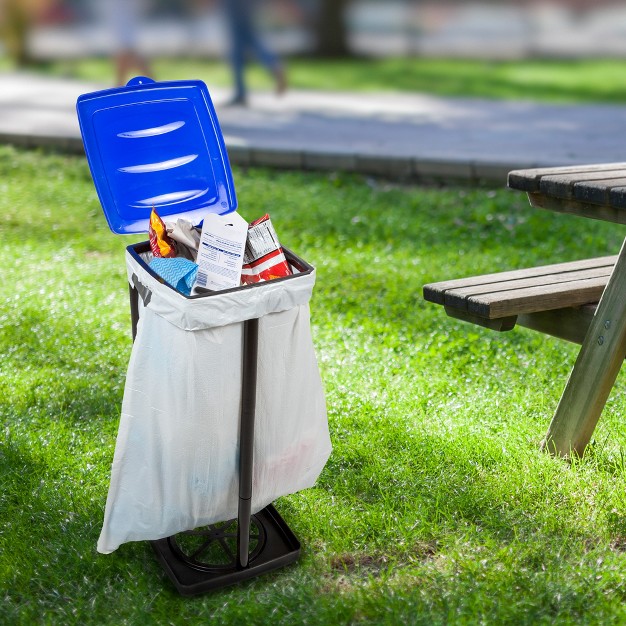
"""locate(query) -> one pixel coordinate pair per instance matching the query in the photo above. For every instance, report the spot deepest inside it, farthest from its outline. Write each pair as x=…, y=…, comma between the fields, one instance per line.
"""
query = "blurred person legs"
x=125, y=19
x=245, y=41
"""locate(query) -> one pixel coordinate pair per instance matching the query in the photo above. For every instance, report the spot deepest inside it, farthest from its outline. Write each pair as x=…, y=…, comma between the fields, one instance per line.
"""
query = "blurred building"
x=490, y=28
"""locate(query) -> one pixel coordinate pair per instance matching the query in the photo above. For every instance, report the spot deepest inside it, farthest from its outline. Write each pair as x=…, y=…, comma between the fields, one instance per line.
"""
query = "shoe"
x=237, y=101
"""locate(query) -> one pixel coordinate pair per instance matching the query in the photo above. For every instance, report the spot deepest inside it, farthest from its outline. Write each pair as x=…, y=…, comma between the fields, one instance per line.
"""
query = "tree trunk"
x=331, y=29
x=14, y=32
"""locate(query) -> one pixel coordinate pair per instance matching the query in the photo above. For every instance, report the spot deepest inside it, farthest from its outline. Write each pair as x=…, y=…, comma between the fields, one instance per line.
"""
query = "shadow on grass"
x=435, y=484
x=52, y=514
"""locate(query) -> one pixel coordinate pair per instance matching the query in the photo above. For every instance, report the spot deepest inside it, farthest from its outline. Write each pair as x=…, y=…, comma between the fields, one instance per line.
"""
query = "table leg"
x=596, y=368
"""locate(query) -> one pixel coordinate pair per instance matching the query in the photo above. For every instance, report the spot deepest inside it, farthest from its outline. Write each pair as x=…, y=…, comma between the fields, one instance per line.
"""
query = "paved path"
x=402, y=136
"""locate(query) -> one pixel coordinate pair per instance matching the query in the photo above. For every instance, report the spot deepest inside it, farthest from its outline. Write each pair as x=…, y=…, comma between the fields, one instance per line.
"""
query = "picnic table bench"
x=581, y=301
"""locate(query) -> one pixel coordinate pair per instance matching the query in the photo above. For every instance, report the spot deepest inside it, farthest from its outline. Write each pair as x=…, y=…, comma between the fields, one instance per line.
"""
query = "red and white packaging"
x=264, y=258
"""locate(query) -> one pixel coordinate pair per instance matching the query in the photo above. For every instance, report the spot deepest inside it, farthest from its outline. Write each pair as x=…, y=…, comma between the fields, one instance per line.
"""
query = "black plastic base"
x=205, y=559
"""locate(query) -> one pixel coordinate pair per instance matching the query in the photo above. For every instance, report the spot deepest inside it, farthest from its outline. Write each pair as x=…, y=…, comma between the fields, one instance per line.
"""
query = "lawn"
x=436, y=506
x=550, y=80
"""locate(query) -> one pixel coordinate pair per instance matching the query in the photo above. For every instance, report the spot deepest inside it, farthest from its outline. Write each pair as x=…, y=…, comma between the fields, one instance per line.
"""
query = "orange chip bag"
x=160, y=242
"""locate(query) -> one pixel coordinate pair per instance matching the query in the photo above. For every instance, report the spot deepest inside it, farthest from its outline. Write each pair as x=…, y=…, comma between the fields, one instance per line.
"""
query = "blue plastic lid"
x=155, y=144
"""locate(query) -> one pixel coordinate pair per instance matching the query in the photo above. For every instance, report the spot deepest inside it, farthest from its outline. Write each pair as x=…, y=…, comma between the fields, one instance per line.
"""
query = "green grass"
x=436, y=506
x=587, y=80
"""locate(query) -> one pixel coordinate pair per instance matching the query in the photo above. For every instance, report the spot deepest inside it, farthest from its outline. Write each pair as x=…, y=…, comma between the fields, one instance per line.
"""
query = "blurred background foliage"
x=35, y=30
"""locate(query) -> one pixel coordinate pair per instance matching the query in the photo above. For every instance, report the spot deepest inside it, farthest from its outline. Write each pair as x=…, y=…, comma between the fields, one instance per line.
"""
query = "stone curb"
x=401, y=169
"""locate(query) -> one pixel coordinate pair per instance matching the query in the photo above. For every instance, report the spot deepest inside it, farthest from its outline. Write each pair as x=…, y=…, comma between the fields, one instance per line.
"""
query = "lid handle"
x=139, y=80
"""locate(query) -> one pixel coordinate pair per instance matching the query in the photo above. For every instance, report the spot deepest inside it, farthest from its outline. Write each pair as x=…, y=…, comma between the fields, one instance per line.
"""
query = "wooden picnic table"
x=597, y=192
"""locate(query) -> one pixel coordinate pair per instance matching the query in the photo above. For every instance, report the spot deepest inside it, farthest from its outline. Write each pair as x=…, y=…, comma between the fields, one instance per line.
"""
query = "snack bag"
x=186, y=237
x=161, y=243
x=264, y=258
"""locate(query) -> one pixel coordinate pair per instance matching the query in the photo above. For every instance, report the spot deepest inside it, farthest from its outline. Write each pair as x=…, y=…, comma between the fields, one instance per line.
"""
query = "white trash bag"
x=176, y=458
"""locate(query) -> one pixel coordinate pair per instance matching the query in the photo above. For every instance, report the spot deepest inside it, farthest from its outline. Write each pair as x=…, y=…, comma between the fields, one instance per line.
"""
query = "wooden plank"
x=507, y=289
x=528, y=179
x=617, y=197
x=502, y=324
x=435, y=292
x=576, y=207
x=562, y=185
x=571, y=323
x=542, y=298
x=595, y=370
x=596, y=191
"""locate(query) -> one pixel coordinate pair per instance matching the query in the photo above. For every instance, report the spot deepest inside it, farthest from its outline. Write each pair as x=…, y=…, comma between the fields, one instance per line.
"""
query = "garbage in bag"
x=176, y=457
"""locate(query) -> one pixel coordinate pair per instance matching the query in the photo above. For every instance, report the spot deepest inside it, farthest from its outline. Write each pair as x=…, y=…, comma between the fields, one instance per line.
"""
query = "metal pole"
x=134, y=309
x=246, y=437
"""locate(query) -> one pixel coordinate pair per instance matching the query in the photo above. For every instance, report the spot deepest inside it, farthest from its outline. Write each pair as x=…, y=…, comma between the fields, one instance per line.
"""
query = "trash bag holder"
x=158, y=145
x=253, y=544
